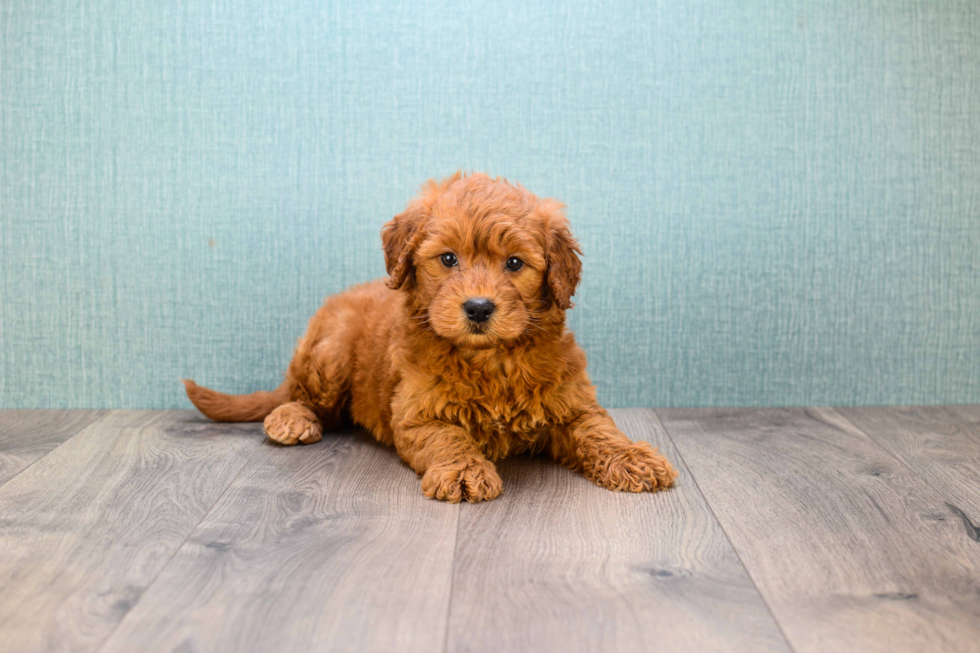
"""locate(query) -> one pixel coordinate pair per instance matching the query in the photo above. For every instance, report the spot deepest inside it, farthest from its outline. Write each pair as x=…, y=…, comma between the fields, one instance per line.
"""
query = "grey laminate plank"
x=558, y=564
x=851, y=550
x=940, y=443
x=28, y=435
x=85, y=529
x=323, y=547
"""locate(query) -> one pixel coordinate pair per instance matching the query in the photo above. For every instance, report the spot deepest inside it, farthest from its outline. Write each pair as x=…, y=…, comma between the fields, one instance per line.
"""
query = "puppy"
x=461, y=357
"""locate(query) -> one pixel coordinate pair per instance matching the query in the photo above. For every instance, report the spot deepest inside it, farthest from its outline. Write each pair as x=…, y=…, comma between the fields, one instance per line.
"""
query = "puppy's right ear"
x=401, y=235
x=399, y=238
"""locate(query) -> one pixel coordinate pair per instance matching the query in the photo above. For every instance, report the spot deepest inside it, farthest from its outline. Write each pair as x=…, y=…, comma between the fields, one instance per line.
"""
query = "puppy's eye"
x=514, y=264
x=449, y=260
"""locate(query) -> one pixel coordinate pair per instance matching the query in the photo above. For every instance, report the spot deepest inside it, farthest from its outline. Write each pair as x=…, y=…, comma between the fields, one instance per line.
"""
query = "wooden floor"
x=789, y=529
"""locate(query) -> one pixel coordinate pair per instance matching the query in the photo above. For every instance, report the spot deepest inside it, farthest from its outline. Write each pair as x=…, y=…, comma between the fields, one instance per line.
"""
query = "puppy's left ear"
x=400, y=237
x=564, y=266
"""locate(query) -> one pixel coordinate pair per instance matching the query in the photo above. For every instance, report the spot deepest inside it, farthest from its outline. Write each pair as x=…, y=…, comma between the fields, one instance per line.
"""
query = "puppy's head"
x=485, y=262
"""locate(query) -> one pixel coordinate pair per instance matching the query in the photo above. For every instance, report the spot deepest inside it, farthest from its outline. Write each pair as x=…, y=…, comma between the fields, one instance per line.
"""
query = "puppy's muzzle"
x=478, y=309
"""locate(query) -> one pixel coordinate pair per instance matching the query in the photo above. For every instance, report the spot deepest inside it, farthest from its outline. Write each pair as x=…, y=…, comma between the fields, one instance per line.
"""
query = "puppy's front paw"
x=292, y=423
x=637, y=467
x=471, y=480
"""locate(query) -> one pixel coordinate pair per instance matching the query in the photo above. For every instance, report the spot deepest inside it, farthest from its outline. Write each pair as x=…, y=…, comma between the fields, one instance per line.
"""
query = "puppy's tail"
x=236, y=408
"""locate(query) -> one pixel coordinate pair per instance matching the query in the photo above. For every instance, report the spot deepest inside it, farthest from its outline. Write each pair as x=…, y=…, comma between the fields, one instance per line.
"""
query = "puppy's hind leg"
x=321, y=368
x=292, y=423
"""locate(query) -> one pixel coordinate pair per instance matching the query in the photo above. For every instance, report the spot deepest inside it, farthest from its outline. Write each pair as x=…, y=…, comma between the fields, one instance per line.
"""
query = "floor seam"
x=873, y=441
x=62, y=443
x=173, y=555
x=971, y=528
x=714, y=516
x=452, y=580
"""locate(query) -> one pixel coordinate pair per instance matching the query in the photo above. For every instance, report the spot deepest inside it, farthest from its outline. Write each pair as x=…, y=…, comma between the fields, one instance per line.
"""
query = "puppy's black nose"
x=479, y=309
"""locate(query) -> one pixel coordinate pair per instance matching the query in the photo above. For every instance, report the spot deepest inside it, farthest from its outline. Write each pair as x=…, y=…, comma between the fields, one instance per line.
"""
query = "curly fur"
x=402, y=360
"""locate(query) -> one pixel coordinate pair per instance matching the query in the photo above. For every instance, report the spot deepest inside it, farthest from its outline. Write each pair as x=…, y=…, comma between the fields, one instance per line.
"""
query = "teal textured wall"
x=779, y=201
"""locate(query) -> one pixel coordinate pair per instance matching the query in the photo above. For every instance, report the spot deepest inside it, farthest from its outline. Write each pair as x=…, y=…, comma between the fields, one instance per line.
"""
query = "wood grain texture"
x=88, y=527
x=27, y=435
x=559, y=564
x=159, y=531
x=330, y=546
x=851, y=550
x=940, y=443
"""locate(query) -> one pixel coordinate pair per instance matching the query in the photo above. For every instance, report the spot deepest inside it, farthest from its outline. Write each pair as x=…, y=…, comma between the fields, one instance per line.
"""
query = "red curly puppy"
x=462, y=357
